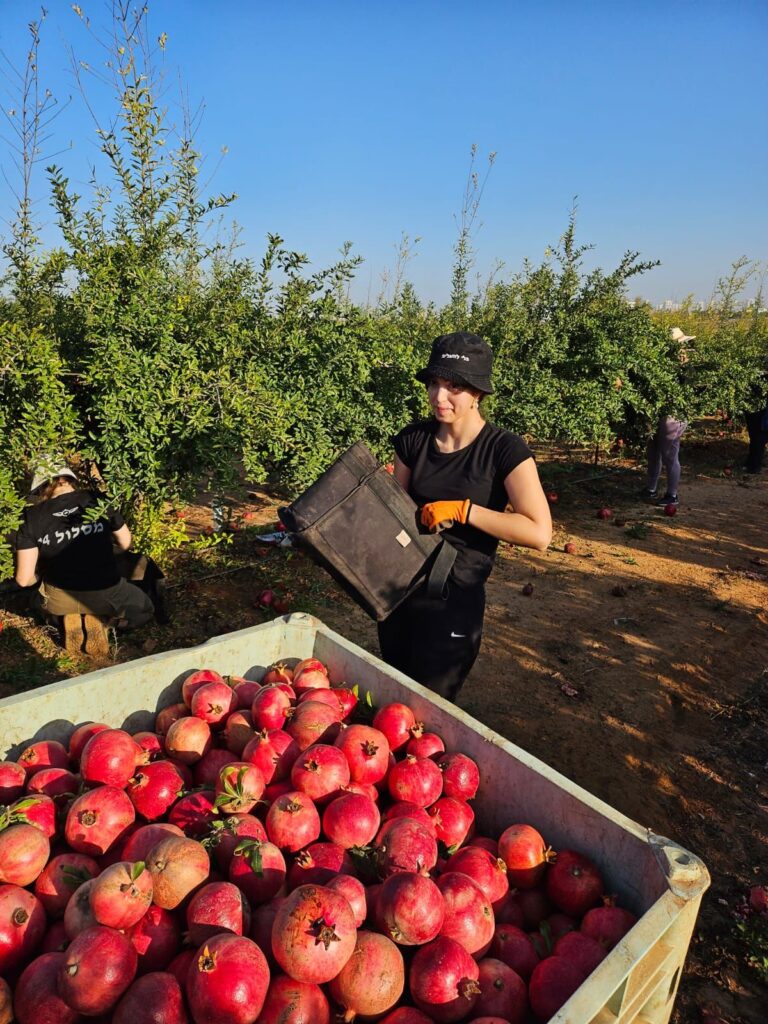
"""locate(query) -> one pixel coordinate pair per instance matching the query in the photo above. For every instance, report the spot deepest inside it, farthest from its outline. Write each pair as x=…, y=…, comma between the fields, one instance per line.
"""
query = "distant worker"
x=757, y=428
x=74, y=561
x=664, y=446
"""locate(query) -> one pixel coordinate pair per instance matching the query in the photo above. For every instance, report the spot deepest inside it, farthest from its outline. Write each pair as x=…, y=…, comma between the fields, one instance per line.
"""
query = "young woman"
x=73, y=559
x=478, y=483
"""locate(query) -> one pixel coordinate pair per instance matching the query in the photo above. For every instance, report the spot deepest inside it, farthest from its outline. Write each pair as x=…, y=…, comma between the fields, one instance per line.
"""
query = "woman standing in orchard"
x=477, y=482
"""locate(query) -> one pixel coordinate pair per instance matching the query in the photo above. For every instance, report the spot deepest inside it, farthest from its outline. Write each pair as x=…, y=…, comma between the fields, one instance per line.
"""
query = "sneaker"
x=647, y=493
x=669, y=499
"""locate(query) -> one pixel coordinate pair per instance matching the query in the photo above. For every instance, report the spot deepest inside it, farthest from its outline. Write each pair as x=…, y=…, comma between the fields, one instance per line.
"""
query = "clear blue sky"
x=354, y=120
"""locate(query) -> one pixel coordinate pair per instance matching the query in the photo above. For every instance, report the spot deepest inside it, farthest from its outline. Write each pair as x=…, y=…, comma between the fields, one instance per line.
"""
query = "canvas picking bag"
x=363, y=528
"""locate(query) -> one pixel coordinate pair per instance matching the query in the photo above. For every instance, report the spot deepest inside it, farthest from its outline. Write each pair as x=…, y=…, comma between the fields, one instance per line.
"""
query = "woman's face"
x=450, y=401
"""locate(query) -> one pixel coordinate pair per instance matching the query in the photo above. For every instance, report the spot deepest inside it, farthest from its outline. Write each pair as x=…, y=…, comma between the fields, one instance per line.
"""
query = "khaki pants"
x=123, y=601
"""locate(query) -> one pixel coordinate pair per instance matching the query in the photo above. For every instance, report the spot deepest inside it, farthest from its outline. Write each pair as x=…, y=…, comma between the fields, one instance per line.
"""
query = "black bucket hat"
x=461, y=357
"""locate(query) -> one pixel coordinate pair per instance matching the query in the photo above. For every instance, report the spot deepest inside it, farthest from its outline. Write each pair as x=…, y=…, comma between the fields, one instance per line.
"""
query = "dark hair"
x=46, y=490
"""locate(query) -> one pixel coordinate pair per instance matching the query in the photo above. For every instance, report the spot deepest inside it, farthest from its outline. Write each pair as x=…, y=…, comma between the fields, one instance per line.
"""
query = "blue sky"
x=354, y=120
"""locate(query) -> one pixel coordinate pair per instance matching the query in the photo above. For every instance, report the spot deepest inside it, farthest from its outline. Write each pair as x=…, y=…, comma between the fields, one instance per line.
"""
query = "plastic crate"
x=658, y=880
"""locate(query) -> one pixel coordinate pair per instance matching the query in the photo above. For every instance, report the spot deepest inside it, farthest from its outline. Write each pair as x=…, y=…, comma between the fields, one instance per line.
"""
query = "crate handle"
x=686, y=874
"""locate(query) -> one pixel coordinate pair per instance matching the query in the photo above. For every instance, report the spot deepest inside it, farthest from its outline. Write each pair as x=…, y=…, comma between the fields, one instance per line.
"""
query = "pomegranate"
x=109, y=758
x=244, y=690
x=37, y=810
x=24, y=852
x=425, y=745
x=179, y=966
x=367, y=751
x=514, y=947
x=262, y=920
x=212, y=702
x=416, y=779
x=604, y=513
x=410, y=909
x=398, y=723
x=313, y=934
x=309, y=663
x=167, y=716
x=95, y=970
x=313, y=722
x=156, y=939
x=195, y=680
x=97, y=819
x=485, y=843
x=206, y=771
x=273, y=753
x=581, y=950
x=61, y=876
x=78, y=914
x=54, y=941
x=43, y=754
x=608, y=924
x=461, y=776
x=353, y=891
x=532, y=904
x=226, y=833
x=178, y=866
x=444, y=981
x=239, y=788
x=194, y=812
x=468, y=915
x=188, y=739
x=22, y=926
x=372, y=980
x=573, y=883
x=217, y=907
x=140, y=842
x=489, y=872
x=155, y=997
x=454, y=820
x=257, y=869
x=406, y=1015
x=405, y=845
x=53, y=782
x=321, y=770
x=13, y=779
x=277, y=673
x=526, y=855
x=318, y=864
x=227, y=981
x=294, y=1002
x=552, y=984
x=293, y=821
x=269, y=708
x=406, y=809
x=121, y=894
x=326, y=696
x=351, y=820
x=238, y=731
x=151, y=747
x=503, y=993
x=36, y=999
x=154, y=789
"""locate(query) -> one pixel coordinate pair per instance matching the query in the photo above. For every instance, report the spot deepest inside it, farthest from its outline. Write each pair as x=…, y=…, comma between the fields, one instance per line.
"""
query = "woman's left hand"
x=439, y=515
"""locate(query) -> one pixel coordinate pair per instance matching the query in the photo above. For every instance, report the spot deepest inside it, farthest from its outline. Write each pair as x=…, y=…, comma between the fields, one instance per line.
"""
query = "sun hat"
x=460, y=357
x=47, y=471
x=677, y=335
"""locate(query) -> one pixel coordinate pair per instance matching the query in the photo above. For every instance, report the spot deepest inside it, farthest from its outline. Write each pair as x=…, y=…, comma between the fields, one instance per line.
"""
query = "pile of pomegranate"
x=276, y=852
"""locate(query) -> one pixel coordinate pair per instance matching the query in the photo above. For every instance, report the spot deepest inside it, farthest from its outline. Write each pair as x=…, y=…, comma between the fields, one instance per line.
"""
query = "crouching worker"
x=75, y=563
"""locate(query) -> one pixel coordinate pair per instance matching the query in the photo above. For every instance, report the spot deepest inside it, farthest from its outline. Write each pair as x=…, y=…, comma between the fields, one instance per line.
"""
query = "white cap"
x=677, y=335
x=43, y=474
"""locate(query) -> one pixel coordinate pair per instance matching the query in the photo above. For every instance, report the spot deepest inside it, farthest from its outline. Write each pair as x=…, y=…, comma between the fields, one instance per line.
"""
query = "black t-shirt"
x=477, y=471
x=73, y=554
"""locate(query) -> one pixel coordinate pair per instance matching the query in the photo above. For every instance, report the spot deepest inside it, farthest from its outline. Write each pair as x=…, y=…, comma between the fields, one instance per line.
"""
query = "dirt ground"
x=637, y=667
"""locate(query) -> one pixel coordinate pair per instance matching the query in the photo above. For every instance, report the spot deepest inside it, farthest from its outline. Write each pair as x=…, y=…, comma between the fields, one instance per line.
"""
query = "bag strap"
x=441, y=570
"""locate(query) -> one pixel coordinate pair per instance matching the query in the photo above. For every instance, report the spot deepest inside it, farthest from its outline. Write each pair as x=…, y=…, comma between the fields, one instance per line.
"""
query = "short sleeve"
x=25, y=535
x=407, y=442
x=510, y=452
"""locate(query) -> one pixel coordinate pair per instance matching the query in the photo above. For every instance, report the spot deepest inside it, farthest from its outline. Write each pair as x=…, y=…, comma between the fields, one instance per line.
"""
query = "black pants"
x=757, y=441
x=436, y=641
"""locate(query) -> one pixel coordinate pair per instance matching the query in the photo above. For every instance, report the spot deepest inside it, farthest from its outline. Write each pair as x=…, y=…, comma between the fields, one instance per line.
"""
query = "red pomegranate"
x=154, y=789
x=320, y=771
x=36, y=999
x=417, y=780
x=121, y=894
x=367, y=751
x=194, y=813
x=140, y=842
x=273, y=753
x=195, y=680
x=313, y=722
x=406, y=1015
x=97, y=819
x=526, y=855
x=78, y=914
x=351, y=820
x=461, y=776
x=269, y=708
x=13, y=779
x=178, y=866
x=372, y=980
x=514, y=947
x=155, y=997
x=43, y=754
x=238, y=730
x=309, y=663
x=24, y=852
x=485, y=843
x=53, y=782
x=238, y=788
x=60, y=877
x=151, y=746
x=188, y=739
x=573, y=883
x=454, y=820
x=156, y=939
x=318, y=864
x=444, y=981
x=488, y=871
x=227, y=981
x=294, y=1002
x=97, y=967
x=22, y=926
x=406, y=809
x=226, y=833
x=404, y=844
x=257, y=869
x=398, y=723
x=353, y=890
x=608, y=924
x=167, y=716
x=54, y=941
x=314, y=934
x=581, y=950
x=80, y=737
x=533, y=904
x=293, y=821
x=262, y=920
x=35, y=809
x=552, y=984
x=212, y=702
x=425, y=745
x=217, y=907
x=277, y=673
x=503, y=993
x=207, y=770
x=410, y=909
x=468, y=915
x=109, y=758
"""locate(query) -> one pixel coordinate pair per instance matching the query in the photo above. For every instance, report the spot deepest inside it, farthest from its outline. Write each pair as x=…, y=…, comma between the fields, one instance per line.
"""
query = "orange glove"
x=440, y=515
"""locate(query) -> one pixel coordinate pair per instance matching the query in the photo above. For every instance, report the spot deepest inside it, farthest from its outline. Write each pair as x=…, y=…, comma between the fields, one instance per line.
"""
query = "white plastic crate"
x=658, y=880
